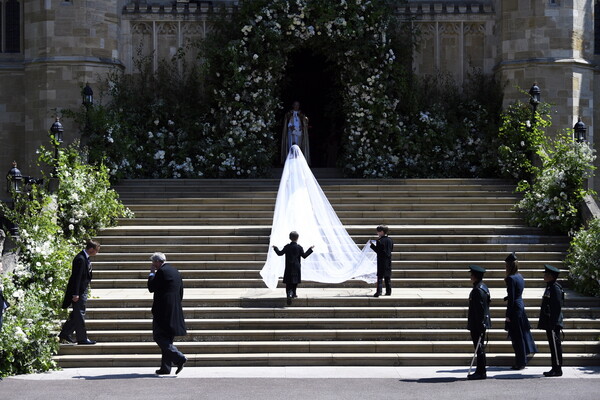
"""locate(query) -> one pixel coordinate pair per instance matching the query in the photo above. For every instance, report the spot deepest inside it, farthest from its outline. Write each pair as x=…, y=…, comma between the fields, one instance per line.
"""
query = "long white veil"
x=303, y=207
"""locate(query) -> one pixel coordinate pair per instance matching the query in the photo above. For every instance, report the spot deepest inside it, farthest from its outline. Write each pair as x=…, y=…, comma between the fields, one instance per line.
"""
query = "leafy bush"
x=53, y=227
x=520, y=138
x=583, y=259
x=552, y=201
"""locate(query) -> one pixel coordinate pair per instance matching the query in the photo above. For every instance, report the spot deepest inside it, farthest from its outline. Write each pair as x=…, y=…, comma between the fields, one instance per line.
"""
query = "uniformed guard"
x=479, y=319
x=551, y=317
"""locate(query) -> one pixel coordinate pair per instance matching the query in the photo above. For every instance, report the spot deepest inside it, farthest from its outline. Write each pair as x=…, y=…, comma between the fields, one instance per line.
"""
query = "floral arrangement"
x=583, y=259
x=552, y=201
x=247, y=68
x=52, y=229
x=395, y=125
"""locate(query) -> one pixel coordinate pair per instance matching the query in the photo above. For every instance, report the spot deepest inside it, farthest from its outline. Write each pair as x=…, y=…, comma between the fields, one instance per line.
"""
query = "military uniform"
x=479, y=320
x=551, y=319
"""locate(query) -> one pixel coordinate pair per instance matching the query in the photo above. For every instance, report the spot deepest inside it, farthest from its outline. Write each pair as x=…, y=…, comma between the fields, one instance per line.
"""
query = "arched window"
x=12, y=39
x=10, y=26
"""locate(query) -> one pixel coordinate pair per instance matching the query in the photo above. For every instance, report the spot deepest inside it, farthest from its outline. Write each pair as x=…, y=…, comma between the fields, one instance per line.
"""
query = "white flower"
x=255, y=57
x=71, y=227
x=156, y=121
x=160, y=155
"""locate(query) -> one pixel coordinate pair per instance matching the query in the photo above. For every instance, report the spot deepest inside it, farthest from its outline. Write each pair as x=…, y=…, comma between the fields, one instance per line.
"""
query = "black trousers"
x=290, y=289
x=479, y=337
x=76, y=321
x=170, y=354
x=555, y=347
x=388, y=284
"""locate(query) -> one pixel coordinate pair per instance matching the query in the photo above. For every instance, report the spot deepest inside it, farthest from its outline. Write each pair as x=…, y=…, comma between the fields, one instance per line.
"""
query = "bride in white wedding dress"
x=303, y=207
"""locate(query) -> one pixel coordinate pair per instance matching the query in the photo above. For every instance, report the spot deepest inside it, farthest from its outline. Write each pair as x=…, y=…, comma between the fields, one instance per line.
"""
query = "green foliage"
x=583, y=259
x=448, y=132
x=552, y=201
x=520, y=139
x=47, y=245
x=149, y=124
x=219, y=118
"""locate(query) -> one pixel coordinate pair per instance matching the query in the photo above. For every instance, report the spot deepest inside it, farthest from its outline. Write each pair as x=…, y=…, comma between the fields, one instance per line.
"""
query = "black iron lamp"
x=57, y=131
x=14, y=179
x=535, y=94
x=87, y=95
x=579, y=131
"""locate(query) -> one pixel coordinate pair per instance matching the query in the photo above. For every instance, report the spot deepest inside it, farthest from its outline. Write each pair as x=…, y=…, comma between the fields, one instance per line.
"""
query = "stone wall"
x=65, y=44
x=68, y=43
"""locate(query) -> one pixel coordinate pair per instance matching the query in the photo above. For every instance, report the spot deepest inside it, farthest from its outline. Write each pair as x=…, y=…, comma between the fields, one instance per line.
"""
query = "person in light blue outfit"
x=516, y=322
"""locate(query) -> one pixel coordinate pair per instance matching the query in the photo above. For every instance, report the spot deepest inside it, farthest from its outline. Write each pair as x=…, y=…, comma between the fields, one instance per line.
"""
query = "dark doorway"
x=314, y=81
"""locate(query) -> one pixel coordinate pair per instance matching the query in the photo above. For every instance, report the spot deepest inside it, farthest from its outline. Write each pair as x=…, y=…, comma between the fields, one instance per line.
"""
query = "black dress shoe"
x=477, y=376
x=289, y=301
x=180, y=366
x=388, y=294
x=66, y=338
x=162, y=372
x=377, y=295
x=517, y=367
x=295, y=296
x=86, y=341
x=553, y=372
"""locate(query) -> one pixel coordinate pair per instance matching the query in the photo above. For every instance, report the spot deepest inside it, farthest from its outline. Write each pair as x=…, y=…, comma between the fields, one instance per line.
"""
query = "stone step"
x=315, y=359
x=328, y=187
x=398, y=247
x=219, y=335
x=397, y=283
x=467, y=220
x=314, y=323
x=327, y=298
x=353, y=230
x=397, y=265
x=336, y=181
x=509, y=240
x=543, y=256
x=343, y=215
x=374, y=346
x=264, y=201
x=331, y=312
x=233, y=274
x=366, y=195
x=340, y=208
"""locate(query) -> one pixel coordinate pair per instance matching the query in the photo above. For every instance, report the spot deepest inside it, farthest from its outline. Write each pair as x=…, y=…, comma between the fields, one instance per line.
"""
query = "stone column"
x=66, y=44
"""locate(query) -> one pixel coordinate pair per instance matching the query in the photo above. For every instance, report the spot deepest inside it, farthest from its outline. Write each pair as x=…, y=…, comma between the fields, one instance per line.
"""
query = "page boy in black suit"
x=292, y=275
x=383, y=247
x=76, y=295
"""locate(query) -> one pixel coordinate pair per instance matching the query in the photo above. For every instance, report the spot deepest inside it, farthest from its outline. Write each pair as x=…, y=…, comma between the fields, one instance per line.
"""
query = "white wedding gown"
x=302, y=206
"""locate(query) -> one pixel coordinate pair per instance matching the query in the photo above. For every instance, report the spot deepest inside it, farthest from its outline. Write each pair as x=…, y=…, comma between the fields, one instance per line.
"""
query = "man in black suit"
x=166, y=284
x=383, y=247
x=76, y=295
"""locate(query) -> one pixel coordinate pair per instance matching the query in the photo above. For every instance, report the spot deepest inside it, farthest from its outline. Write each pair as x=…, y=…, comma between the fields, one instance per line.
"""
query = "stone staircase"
x=216, y=232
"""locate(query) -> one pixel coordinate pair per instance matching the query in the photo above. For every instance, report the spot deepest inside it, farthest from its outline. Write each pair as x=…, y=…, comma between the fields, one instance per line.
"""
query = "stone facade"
x=65, y=44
